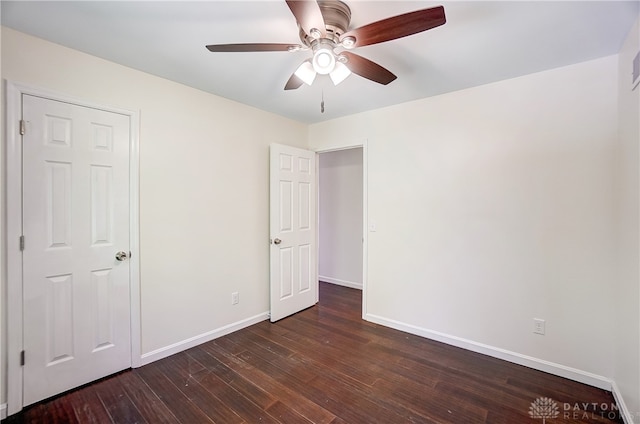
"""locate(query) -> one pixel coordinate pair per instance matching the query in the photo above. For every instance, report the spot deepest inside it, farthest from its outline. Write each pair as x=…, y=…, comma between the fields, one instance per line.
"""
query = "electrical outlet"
x=538, y=326
x=235, y=298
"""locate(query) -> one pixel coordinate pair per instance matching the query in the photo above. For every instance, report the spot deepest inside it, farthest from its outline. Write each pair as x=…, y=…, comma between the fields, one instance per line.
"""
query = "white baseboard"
x=622, y=406
x=339, y=282
x=3, y=411
x=516, y=358
x=174, y=348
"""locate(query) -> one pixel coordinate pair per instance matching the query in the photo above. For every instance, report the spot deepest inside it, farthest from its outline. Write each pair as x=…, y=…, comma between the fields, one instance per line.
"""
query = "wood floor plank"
x=118, y=404
x=329, y=389
x=186, y=373
x=284, y=414
x=148, y=403
x=235, y=380
x=297, y=366
x=88, y=407
x=241, y=405
x=324, y=365
x=314, y=343
x=179, y=404
x=214, y=378
x=363, y=391
x=265, y=380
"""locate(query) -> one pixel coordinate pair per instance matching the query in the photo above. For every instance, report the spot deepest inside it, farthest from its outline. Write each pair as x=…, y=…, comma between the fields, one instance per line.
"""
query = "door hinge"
x=22, y=126
x=22, y=358
x=21, y=243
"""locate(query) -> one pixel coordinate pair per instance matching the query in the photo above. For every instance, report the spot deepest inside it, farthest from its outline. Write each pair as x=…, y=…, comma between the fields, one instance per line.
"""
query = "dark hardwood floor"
x=326, y=365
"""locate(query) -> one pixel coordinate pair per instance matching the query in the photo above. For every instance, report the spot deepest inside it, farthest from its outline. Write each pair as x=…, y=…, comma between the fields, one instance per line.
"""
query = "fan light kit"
x=324, y=29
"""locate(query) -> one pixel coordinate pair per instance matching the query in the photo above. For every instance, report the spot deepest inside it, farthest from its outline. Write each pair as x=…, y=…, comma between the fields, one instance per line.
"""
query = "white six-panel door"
x=76, y=311
x=294, y=281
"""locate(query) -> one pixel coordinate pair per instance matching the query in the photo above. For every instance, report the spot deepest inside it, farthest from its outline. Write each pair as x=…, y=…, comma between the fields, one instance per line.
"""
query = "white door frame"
x=365, y=236
x=13, y=163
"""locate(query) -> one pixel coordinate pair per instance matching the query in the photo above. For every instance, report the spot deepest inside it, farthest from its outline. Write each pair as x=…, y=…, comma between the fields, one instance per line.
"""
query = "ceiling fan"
x=324, y=29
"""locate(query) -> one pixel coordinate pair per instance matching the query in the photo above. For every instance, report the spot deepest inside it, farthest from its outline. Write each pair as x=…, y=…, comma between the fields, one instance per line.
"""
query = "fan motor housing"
x=337, y=16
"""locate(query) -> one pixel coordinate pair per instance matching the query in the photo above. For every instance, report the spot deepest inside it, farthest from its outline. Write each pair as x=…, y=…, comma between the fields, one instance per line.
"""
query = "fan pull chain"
x=322, y=103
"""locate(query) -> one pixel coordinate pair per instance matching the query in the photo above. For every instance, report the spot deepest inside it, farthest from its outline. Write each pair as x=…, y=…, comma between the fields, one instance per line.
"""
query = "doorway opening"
x=341, y=211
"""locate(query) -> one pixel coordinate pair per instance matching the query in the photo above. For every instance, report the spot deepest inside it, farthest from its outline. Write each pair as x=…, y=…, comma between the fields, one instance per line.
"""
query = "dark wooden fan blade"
x=293, y=83
x=368, y=69
x=308, y=15
x=397, y=26
x=252, y=47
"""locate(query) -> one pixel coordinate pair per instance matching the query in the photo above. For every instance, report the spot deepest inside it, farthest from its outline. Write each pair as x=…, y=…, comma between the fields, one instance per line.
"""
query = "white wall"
x=627, y=290
x=494, y=205
x=203, y=187
x=340, y=210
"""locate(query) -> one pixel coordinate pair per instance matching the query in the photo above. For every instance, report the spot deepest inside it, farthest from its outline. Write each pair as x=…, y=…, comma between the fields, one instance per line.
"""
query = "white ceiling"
x=482, y=42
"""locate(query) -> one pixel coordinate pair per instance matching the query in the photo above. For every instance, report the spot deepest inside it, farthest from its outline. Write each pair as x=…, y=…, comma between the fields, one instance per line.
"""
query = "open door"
x=292, y=221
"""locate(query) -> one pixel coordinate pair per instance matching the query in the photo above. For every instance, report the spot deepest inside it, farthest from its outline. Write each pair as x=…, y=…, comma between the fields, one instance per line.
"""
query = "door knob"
x=277, y=241
x=122, y=256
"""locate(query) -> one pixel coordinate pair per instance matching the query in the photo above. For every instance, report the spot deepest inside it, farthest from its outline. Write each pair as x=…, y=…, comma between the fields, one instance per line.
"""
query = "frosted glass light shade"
x=306, y=73
x=339, y=73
